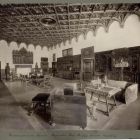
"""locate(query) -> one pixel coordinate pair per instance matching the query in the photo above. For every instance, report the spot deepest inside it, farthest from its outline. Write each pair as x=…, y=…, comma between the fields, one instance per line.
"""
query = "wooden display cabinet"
x=68, y=67
x=54, y=68
x=44, y=65
x=0, y=70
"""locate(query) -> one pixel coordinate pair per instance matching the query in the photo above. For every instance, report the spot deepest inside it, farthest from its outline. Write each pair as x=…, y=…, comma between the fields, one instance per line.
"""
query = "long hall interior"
x=70, y=66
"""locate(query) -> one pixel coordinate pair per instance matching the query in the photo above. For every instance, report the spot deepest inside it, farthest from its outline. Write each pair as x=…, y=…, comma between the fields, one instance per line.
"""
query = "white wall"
x=7, y=48
x=116, y=37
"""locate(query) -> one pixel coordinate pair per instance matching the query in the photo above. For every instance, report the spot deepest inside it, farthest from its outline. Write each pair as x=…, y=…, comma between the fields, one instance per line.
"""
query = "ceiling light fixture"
x=48, y=21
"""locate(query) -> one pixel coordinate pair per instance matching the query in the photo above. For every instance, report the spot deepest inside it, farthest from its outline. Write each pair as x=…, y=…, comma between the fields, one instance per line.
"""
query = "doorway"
x=88, y=69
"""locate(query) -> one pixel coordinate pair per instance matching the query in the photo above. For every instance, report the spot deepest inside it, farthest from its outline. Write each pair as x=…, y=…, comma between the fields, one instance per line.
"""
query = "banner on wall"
x=121, y=63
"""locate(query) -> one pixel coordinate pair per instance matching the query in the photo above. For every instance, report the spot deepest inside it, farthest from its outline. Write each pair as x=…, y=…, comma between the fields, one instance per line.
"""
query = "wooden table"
x=106, y=92
x=69, y=110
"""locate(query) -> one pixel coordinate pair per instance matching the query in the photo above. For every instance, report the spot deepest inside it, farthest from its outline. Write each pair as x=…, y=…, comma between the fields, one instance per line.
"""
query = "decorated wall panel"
x=67, y=52
x=22, y=56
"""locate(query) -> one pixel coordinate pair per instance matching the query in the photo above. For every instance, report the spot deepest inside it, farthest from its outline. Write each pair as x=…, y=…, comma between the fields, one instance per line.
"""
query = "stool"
x=40, y=100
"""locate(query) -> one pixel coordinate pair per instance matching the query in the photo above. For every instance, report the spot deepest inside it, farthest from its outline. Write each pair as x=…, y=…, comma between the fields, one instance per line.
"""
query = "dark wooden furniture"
x=54, y=68
x=0, y=70
x=40, y=102
x=69, y=67
x=64, y=67
x=69, y=110
x=104, y=62
x=37, y=80
x=67, y=52
x=44, y=65
x=68, y=91
x=76, y=66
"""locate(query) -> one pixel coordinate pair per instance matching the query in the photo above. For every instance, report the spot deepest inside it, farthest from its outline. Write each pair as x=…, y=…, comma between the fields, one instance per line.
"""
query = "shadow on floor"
x=11, y=117
x=44, y=115
x=4, y=90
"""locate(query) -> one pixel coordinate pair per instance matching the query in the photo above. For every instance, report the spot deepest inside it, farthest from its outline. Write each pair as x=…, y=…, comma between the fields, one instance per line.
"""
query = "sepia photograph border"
x=69, y=134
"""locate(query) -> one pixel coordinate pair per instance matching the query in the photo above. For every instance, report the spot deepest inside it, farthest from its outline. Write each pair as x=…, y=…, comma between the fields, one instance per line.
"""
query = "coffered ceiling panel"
x=52, y=24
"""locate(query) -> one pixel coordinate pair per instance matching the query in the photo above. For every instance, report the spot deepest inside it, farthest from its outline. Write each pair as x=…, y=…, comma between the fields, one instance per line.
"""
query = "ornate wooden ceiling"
x=21, y=22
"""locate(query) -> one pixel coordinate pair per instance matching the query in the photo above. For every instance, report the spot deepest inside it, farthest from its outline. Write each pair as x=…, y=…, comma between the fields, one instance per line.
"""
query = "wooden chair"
x=47, y=81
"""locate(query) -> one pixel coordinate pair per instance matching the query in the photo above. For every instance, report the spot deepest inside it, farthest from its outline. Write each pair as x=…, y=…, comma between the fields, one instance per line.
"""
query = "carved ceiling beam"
x=16, y=11
x=34, y=22
x=46, y=27
x=64, y=14
x=83, y=19
x=42, y=31
x=27, y=9
x=69, y=22
x=57, y=20
x=80, y=12
x=87, y=26
x=44, y=5
x=30, y=14
x=45, y=37
x=37, y=34
x=72, y=27
x=106, y=7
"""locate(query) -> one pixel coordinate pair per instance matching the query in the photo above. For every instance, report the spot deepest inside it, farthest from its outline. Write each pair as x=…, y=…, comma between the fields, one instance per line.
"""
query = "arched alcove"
x=132, y=30
x=31, y=47
x=22, y=45
x=38, y=48
x=73, y=40
x=90, y=34
x=4, y=43
x=67, y=43
x=80, y=38
x=13, y=45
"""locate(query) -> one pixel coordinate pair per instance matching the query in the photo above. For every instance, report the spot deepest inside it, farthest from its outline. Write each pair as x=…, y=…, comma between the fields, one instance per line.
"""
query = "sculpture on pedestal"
x=7, y=71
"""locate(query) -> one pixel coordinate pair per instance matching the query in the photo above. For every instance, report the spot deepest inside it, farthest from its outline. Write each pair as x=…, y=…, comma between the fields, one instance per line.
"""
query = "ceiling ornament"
x=48, y=21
